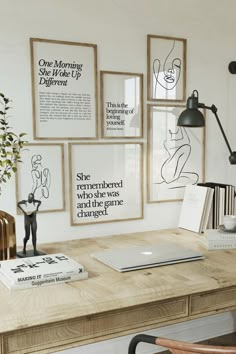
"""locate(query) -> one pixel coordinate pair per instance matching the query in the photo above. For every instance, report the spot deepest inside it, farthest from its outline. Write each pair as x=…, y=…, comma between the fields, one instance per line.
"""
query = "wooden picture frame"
x=107, y=188
x=176, y=155
x=121, y=104
x=42, y=173
x=166, y=68
x=64, y=89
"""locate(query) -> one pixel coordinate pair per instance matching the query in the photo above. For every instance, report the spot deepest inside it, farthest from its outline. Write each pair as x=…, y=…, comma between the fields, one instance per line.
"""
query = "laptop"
x=127, y=259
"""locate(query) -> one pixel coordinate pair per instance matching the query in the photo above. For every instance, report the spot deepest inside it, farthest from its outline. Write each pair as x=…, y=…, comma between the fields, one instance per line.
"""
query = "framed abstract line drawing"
x=42, y=173
x=108, y=188
x=121, y=104
x=64, y=89
x=176, y=155
x=166, y=68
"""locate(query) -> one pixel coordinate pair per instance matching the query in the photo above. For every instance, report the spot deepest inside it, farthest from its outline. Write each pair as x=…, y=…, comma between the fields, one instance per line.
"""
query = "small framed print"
x=166, y=68
x=64, y=89
x=121, y=104
x=107, y=188
x=42, y=173
x=176, y=155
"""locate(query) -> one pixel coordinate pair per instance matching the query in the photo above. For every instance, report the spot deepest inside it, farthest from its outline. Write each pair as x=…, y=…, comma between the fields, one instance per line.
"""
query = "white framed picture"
x=166, y=68
x=106, y=182
x=121, y=104
x=64, y=89
x=176, y=155
x=42, y=173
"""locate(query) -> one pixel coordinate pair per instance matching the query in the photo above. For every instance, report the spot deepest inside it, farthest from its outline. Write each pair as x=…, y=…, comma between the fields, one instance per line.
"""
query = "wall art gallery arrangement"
x=106, y=175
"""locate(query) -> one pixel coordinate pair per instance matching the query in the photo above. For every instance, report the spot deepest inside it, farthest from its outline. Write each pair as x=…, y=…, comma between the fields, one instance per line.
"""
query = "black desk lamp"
x=192, y=117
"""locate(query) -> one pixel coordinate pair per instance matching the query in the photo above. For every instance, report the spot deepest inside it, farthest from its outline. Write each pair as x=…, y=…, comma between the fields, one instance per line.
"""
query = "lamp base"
x=232, y=158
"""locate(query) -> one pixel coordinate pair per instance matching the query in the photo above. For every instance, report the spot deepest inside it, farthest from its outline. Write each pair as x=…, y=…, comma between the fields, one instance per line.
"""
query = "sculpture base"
x=29, y=253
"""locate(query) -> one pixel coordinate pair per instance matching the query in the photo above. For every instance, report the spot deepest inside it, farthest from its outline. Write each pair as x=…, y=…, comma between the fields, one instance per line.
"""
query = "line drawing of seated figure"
x=173, y=170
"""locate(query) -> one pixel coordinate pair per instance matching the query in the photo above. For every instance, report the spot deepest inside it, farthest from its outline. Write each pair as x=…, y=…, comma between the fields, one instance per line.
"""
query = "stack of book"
x=38, y=271
x=196, y=208
x=213, y=239
x=223, y=202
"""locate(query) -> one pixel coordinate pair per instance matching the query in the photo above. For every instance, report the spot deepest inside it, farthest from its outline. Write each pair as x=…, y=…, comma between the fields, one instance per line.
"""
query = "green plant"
x=11, y=144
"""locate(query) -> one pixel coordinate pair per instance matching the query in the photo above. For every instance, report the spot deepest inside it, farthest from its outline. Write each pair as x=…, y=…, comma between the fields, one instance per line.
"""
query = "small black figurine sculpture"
x=30, y=220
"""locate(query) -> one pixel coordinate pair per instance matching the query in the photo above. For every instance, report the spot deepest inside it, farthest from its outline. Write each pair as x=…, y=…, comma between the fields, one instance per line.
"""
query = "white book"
x=40, y=267
x=219, y=235
x=207, y=210
x=42, y=282
x=221, y=205
x=217, y=245
x=233, y=200
x=194, y=207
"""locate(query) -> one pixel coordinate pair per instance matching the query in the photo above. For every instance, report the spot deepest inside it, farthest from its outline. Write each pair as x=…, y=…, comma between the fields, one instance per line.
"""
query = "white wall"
x=119, y=28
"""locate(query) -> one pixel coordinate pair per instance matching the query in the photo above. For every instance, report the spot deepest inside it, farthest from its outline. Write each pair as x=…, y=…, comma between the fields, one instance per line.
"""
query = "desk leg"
x=2, y=350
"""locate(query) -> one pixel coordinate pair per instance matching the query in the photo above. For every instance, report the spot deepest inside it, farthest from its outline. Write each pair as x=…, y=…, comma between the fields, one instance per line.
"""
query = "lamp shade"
x=191, y=117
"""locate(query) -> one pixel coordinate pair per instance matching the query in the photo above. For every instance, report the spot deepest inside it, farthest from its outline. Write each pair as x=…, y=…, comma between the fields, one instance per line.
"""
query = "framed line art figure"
x=176, y=155
x=106, y=182
x=166, y=68
x=42, y=173
x=64, y=89
x=121, y=104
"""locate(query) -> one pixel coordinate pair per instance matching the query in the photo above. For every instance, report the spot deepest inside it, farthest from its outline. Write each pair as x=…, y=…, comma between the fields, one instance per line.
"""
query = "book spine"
x=217, y=245
x=43, y=282
x=218, y=236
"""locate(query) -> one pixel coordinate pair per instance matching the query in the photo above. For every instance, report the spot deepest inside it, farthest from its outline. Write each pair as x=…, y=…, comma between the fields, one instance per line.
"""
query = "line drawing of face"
x=166, y=75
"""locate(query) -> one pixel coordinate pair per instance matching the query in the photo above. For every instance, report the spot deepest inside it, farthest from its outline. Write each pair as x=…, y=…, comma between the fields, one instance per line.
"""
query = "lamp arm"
x=213, y=108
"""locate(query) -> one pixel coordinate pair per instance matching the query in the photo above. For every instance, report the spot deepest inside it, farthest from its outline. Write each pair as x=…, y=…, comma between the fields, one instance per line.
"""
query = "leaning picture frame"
x=108, y=188
x=42, y=173
x=176, y=155
x=166, y=68
x=64, y=89
x=121, y=104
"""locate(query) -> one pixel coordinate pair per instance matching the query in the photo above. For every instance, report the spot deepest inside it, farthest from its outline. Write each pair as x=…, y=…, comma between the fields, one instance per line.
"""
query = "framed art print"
x=42, y=173
x=64, y=89
x=176, y=155
x=121, y=104
x=166, y=68
x=107, y=188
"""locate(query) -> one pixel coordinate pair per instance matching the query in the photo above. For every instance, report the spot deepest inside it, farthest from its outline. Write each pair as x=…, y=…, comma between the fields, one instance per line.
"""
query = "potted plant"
x=11, y=144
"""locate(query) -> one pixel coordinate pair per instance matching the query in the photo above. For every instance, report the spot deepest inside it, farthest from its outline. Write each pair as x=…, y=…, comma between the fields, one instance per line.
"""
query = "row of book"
x=205, y=205
x=39, y=271
x=223, y=202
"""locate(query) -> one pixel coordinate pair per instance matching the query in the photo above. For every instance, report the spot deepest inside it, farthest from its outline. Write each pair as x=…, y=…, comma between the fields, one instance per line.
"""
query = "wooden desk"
x=111, y=304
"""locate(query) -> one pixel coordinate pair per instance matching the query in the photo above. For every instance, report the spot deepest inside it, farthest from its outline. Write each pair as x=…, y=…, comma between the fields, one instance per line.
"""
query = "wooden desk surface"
x=110, y=303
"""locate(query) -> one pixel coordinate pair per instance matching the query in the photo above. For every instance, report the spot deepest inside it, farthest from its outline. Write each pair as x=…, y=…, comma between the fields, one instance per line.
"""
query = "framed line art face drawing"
x=42, y=173
x=166, y=64
x=176, y=155
x=121, y=104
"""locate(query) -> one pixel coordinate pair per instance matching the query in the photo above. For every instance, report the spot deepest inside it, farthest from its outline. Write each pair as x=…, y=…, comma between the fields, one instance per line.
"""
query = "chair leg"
x=140, y=338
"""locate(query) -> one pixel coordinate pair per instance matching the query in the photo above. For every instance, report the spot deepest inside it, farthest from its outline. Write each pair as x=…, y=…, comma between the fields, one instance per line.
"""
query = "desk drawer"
x=220, y=299
x=96, y=327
